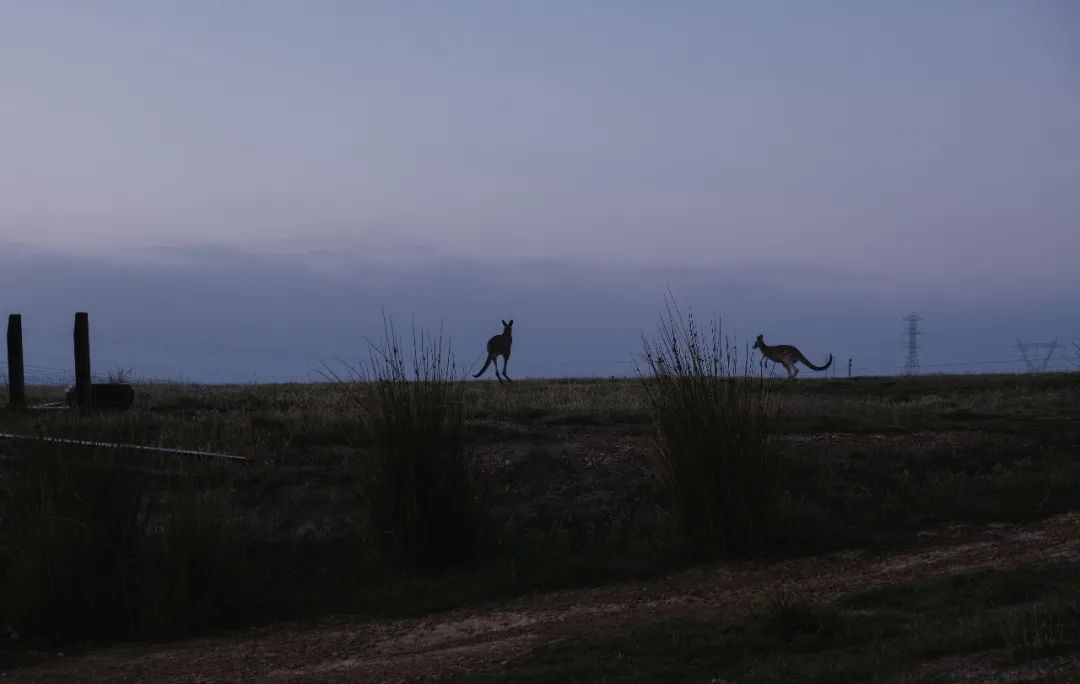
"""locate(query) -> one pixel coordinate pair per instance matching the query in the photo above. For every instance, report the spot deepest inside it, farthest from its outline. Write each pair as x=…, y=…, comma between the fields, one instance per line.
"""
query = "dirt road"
x=348, y=649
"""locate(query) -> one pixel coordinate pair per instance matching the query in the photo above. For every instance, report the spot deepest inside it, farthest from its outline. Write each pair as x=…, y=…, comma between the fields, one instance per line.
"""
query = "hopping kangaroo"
x=787, y=355
x=499, y=346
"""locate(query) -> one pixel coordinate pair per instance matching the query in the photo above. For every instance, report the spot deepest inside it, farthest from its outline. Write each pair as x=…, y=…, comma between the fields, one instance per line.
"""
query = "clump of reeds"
x=713, y=418
x=72, y=533
x=93, y=545
x=419, y=475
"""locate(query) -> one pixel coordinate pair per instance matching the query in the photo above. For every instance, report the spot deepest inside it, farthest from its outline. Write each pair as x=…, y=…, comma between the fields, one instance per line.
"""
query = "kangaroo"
x=499, y=346
x=787, y=355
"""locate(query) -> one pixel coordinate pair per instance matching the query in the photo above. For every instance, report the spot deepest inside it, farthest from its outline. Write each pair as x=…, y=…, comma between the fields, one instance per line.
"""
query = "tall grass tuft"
x=198, y=574
x=72, y=535
x=94, y=546
x=713, y=418
x=420, y=473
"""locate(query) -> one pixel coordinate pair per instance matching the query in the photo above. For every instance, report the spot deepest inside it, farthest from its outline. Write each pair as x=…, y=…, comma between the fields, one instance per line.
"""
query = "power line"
x=985, y=362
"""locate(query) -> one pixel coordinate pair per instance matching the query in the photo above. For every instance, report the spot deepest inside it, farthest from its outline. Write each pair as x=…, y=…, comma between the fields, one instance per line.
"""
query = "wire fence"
x=174, y=361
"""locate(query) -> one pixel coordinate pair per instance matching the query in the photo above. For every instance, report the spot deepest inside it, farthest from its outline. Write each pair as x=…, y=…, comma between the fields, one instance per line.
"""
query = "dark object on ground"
x=114, y=395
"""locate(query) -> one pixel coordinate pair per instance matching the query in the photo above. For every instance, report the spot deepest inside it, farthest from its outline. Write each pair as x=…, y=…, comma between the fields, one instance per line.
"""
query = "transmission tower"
x=912, y=365
x=1026, y=347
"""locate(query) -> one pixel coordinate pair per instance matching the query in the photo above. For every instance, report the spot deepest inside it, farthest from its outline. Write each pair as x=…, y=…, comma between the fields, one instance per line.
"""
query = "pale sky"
x=879, y=147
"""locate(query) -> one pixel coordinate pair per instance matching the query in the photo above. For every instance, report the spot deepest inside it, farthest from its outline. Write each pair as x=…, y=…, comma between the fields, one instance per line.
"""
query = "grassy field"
x=570, y=497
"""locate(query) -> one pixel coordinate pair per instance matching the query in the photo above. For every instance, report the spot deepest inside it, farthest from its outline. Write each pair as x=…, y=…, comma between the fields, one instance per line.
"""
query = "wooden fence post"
x=16, y=376
x=82, y=361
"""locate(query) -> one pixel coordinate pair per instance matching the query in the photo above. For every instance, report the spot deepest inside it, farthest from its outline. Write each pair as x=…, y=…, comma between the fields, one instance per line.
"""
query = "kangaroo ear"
x=504, y=322
x=511, y=322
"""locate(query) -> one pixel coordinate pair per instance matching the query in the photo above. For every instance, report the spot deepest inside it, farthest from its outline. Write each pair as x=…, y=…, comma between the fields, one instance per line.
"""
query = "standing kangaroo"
x=499, y=346
x=787, y=355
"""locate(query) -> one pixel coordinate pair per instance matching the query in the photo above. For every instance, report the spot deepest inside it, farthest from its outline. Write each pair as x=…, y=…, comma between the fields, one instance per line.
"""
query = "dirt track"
x=347, y=649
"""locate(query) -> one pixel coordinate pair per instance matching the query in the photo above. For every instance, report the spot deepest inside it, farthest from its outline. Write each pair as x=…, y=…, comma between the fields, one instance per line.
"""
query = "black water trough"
x=105, y=395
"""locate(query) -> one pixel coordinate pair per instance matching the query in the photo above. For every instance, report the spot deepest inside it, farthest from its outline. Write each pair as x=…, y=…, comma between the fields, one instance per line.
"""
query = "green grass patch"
x=1020, y=613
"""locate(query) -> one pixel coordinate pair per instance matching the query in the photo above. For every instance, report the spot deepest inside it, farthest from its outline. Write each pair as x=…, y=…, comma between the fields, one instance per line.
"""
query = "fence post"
x=849, y=368
x=82, y=361
x=16, y=376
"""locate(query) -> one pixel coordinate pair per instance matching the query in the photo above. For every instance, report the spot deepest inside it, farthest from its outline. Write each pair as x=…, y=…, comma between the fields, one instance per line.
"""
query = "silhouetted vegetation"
x=713, y=422
x=94, y=546
x=419, y=476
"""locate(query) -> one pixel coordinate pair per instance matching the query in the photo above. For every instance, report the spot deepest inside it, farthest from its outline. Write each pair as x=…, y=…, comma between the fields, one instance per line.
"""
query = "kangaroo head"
x=760, y=342
x=507, y=326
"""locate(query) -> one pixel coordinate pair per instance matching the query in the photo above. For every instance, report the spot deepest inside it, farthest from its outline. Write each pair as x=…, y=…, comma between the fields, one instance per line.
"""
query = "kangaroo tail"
x=486, y=364
x=812, y=366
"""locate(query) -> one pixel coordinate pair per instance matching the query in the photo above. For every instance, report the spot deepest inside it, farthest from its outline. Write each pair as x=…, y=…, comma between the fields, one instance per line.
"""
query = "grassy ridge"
x=194, y=546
